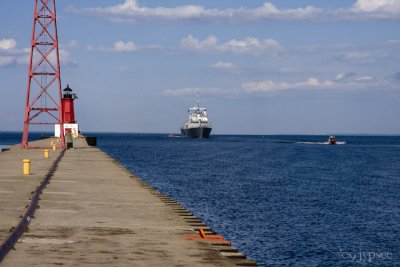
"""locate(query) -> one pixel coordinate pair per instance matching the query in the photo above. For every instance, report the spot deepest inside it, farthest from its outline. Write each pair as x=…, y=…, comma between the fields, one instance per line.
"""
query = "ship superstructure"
x=197, y=124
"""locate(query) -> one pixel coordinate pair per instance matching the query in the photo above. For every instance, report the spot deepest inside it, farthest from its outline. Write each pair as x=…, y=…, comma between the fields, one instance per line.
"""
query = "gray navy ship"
x=197, y=124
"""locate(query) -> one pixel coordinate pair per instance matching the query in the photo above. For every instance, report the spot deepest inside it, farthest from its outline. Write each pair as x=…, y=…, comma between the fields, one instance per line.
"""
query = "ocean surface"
x=282, y=200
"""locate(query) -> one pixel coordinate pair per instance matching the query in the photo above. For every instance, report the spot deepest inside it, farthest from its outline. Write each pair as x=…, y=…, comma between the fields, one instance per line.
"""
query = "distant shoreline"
x=222, y=134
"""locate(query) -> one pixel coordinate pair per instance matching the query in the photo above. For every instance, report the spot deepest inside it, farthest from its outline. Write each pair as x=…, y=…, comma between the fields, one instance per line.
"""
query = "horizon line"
x=221, y=134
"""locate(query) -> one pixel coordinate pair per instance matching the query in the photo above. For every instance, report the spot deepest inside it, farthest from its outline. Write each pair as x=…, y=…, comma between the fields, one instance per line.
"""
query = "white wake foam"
x=321, y=143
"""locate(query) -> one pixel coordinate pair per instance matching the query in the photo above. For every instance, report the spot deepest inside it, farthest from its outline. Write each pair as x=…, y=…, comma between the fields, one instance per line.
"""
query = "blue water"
x=282, y=200
x=11, y=138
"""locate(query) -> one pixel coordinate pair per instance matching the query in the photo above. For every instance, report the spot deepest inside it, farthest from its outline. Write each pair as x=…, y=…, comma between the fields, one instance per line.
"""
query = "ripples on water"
x=280, y=200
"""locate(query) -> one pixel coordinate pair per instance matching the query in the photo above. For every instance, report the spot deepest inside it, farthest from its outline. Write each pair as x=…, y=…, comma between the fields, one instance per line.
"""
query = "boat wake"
x=321, y=143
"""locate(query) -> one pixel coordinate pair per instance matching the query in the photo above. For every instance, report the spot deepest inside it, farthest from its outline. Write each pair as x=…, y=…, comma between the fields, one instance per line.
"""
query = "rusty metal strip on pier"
x=17, y=232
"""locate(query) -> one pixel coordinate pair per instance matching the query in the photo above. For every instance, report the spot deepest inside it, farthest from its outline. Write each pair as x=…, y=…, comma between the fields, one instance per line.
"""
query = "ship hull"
x=199, y=132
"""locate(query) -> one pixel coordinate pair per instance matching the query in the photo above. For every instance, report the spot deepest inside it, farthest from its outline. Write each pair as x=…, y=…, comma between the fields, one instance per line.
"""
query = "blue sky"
x=261, y=67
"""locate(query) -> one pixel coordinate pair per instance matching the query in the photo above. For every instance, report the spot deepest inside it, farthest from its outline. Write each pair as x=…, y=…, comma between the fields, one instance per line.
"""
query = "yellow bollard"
x=54, y=146
x=27, y=166
x=46, y=153
x=52, y=143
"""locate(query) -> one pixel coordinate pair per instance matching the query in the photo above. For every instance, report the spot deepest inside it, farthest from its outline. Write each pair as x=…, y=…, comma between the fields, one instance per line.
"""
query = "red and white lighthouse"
x=67, y=103
x=68, y=113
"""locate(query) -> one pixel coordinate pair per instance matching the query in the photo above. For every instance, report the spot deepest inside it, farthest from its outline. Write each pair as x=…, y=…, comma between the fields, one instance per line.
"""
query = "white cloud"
x=7, y=44
x=192, y=43
x=121, y=46
x=355, y=56
x=269, y=86
x=8, y=48
x=6, y=61
x=362, y=57
x=66, y=59
x=223, y=65
x=348, y=80
x=25, y=57
x=132, y=11
x=344, y=76
x=250, y=45
x=270, y=11
x=10, y=54
x=384, y=6
x=365, y=78
x=193, y=90
x=342, y=81
x=369, y=9
x=392, y=42
x=73, y=44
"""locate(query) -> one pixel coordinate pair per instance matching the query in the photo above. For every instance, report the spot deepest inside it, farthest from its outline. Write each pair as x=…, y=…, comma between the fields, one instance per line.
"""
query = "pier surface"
x=94, y=213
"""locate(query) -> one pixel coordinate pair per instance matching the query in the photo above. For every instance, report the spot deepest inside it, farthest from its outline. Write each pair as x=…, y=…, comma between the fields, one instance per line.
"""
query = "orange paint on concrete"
x=202, y=234
x=209, y=238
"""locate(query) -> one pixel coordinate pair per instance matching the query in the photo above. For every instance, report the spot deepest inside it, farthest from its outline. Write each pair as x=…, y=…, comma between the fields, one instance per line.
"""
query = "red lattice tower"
x=43, y=97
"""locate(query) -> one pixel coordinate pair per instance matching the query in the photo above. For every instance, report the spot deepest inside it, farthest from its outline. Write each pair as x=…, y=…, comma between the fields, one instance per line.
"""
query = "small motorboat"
x=332, y=140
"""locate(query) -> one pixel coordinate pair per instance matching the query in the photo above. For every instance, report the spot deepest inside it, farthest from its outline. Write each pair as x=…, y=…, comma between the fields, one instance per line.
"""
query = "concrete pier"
x=94, y=212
